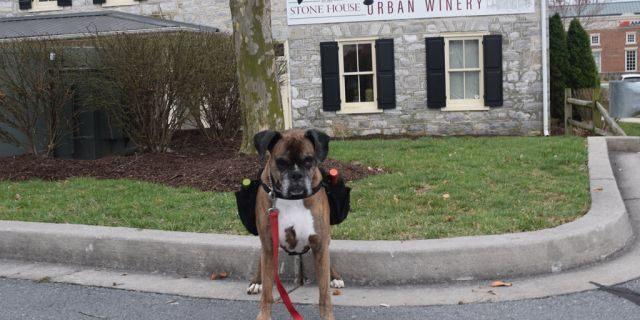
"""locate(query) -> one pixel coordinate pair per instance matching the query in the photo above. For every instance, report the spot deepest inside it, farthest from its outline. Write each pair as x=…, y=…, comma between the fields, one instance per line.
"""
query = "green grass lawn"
x=631, y=129
x=438, y=187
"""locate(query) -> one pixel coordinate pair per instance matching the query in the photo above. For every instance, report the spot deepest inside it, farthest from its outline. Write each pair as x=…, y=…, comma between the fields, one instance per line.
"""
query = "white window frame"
x=597, y=36
x=38, y=6
x=626, y=59
x=599, y=61
x=635, y=38
x=358, y=107
x=119, y=3
x=465, y=104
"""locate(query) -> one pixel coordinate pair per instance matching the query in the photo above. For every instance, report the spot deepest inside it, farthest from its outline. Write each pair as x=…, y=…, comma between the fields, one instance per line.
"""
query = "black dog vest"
x=338, y=195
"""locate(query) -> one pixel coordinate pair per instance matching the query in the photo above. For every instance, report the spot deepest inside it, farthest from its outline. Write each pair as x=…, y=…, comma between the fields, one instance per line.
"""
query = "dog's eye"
x=282, y=163
x=308, y=162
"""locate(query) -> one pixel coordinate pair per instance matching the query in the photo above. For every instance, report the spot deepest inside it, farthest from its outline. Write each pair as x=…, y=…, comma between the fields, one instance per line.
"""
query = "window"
x=464, y=72
x=464, y=79
x=115, y=3
x=45, y=5
x=595, y=39
x=631, y=59
x=597, y=57
x=358, y=76
x=631, y=38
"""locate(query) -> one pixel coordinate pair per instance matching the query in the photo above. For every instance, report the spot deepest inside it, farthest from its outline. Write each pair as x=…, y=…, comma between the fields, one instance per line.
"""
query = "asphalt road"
x=21, y=299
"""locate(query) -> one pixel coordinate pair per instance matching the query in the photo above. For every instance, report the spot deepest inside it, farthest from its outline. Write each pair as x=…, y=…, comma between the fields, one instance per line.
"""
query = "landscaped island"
x=414, y=189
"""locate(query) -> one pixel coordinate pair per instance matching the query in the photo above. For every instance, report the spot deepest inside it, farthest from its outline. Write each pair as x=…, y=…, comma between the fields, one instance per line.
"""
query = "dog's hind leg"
x=322, y=264
x=336, y=279
x=255, y=286
x=266, y=300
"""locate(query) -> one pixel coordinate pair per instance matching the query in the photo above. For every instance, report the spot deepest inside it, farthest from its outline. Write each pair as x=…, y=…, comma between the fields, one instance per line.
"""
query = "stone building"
x=613, y=29
x=423, y=67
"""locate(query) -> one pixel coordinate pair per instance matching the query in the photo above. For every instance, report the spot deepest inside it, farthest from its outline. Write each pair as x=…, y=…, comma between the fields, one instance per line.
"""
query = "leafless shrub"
x=143, y=82
x=35, y=95
x=215, y=105
x=153, y=84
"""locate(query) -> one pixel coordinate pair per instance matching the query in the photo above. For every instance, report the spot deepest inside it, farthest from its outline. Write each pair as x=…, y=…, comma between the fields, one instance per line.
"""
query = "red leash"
x=273, y=218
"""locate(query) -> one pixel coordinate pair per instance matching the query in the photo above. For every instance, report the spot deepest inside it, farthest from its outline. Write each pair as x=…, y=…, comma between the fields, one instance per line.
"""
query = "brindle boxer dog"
x=291, y=171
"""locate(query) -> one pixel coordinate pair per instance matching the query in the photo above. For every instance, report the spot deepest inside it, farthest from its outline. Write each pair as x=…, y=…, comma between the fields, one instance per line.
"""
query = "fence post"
x=597, y=115
x=568, y=112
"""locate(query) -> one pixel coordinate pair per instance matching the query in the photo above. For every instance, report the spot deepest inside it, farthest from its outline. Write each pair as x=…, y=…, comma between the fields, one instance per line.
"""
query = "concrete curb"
x=600, y=233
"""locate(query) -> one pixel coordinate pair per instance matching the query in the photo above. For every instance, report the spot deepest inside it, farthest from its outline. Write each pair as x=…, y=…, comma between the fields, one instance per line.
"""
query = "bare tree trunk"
x=257, y=79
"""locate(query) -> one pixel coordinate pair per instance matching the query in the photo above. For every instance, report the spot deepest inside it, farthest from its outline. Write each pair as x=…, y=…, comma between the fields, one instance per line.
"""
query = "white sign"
x=332, y=11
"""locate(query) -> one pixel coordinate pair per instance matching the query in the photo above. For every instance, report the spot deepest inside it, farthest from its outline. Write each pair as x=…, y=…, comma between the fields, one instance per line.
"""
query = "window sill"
x=45, y=9
x=361, y=111
x=475, y=108
x=121, y=4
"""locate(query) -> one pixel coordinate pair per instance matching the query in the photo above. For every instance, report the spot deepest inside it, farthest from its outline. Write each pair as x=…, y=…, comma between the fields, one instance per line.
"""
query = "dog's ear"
x=320, y=142
x=265, y=141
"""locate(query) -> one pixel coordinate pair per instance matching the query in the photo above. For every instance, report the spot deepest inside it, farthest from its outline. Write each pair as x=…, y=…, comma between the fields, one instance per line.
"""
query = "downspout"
x=544, y=21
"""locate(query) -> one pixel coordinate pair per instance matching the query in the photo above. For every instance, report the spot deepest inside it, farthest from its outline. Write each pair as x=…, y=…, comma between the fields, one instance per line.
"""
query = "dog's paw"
x=254, y=288
x=337, y=283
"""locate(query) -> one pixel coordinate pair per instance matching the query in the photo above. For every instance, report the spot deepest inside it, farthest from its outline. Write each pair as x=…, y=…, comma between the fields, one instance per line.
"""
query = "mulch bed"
x=194, y=162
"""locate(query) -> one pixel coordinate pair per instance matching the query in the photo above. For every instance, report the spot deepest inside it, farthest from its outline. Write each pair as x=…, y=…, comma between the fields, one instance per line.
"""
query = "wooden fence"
x=600, y=123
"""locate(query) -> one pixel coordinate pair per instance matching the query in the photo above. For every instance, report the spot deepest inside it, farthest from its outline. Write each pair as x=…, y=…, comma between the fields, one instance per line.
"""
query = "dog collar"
x=279, y=194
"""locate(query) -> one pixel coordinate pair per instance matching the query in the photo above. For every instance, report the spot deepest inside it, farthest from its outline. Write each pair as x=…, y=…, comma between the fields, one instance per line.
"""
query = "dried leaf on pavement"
x=501, y=284
x=218, y=276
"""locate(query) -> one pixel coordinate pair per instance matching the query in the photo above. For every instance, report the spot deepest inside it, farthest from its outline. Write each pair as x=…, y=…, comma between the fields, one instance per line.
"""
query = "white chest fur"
x=294, y=214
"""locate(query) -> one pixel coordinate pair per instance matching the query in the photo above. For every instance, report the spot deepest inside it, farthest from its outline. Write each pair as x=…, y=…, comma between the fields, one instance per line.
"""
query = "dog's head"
x=294, y=157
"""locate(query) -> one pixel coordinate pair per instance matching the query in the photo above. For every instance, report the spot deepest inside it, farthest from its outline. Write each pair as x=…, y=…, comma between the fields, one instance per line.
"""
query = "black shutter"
x=24, y=4
x=330, y=76
x=436, y=83
x=64, y=3
x=493, y=70
x=99, y=1
x=386, y=78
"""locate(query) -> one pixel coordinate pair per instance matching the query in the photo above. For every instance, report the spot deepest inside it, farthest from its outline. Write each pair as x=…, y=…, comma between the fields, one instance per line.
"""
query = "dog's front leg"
x=266, y=300
x=336, y=279
x=322, y=264
x=255, y=286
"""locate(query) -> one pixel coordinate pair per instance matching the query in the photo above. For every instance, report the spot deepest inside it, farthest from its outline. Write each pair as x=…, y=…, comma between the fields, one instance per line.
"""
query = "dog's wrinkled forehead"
x=292, y=143
x=293, y=147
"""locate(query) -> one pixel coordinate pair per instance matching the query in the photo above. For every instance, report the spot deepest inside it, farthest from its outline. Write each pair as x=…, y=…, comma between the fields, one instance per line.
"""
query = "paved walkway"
x=23, y=299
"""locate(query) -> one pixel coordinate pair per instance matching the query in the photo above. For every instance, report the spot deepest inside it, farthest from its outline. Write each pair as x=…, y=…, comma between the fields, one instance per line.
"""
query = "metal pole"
x=545, y=67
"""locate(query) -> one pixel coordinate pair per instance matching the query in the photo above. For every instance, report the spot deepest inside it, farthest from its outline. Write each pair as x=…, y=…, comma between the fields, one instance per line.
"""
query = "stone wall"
x=206, y=12
x=520, y=115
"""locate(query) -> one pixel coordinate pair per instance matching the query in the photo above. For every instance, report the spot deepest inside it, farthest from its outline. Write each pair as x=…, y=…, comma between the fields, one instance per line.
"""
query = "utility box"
x=624, y=100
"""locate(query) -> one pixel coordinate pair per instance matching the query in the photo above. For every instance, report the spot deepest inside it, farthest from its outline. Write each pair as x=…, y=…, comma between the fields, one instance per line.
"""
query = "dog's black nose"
x=296, y=175
x=368, y=2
